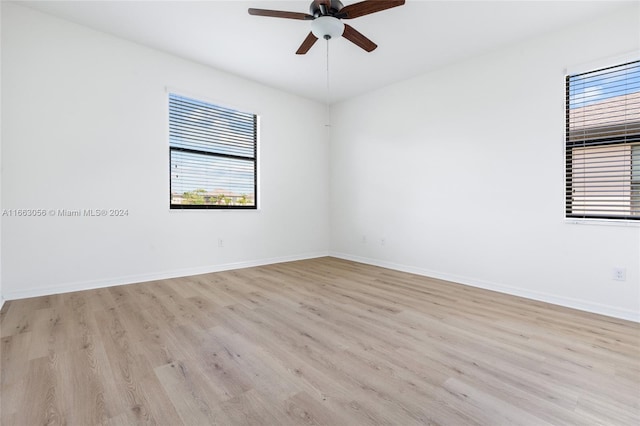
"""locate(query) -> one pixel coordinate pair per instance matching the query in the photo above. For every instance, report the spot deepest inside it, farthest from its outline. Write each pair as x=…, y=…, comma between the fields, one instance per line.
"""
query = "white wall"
x=460, y=171
x=84, y=121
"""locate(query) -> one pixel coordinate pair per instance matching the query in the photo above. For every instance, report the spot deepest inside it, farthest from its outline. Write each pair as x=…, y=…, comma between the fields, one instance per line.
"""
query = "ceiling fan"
x=326, y=17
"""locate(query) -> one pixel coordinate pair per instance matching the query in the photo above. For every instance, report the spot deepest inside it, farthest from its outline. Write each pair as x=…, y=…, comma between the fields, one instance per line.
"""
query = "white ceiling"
x=412, y=39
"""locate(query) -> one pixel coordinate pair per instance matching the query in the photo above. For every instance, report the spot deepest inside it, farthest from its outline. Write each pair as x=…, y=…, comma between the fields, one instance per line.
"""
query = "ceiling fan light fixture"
x=327, y=27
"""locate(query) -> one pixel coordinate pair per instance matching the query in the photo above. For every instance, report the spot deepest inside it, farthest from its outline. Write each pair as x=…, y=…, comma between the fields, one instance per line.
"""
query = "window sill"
x=601, y=222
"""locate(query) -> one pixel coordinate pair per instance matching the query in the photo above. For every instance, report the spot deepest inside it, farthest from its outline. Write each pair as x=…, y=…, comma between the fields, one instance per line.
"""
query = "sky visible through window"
x=593, y=87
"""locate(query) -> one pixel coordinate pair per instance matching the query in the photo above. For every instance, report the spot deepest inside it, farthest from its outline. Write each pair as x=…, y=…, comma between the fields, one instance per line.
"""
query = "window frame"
x=628, y=218
x=254, y=159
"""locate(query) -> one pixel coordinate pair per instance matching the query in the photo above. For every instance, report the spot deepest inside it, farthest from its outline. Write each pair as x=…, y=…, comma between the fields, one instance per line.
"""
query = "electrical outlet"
x=383, y=241
x=220, y=242
x=619, y=274
x=364, y=239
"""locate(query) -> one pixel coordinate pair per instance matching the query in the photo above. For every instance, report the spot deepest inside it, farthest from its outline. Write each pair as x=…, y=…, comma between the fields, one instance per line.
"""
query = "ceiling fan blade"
x=358, y=39
x=281, y=14
x=367, y=7
x=307, y=44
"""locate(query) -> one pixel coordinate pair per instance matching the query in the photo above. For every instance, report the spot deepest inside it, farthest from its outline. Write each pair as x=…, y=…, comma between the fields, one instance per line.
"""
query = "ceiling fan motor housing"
x=319, y=7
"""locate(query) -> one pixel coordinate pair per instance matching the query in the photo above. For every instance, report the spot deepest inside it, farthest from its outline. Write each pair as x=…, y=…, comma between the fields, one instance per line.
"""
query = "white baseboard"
x=539, y=296
x=582, y=305
x=132, y=279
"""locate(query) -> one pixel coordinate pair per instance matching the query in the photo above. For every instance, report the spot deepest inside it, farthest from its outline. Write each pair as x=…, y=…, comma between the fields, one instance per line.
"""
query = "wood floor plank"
x=215, y=361
x=251, y=408
x=41, y=391
x=15, y=318
x=46, y=333
x=14, y=364
x=315, y=342
x=190, y=395
x=487, y=405
x=128, y=368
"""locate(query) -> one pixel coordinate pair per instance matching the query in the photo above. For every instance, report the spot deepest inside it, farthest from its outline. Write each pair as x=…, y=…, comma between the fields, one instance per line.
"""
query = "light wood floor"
x=322, y=341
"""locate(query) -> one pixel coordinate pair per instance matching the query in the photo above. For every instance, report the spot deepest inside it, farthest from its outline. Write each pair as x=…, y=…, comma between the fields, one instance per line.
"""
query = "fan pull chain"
x=328, y=110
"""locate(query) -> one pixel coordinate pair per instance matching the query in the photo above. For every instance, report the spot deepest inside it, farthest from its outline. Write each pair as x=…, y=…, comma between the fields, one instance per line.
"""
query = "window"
x=602, y=148
x=213, y=156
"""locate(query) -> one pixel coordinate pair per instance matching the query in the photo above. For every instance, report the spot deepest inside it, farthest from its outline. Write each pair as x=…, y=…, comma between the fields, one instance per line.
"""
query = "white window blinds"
x=602, y=150
x=212, y=155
